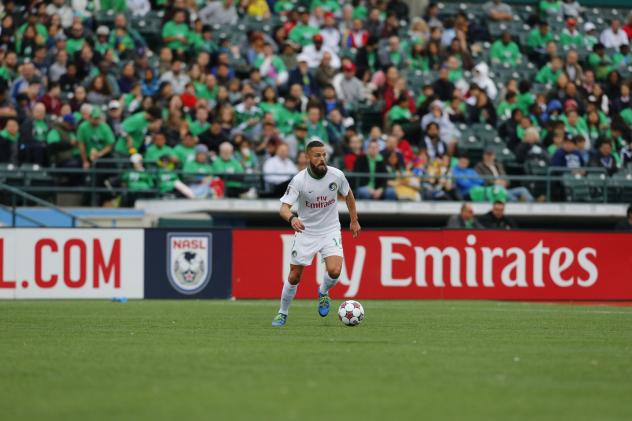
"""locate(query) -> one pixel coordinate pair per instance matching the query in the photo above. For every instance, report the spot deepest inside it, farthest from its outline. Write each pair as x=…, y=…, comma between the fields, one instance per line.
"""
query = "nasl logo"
x=189, y=261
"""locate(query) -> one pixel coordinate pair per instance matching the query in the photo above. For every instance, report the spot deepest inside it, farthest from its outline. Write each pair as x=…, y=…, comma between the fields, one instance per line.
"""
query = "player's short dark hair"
x=314, y=144
x=629, y=210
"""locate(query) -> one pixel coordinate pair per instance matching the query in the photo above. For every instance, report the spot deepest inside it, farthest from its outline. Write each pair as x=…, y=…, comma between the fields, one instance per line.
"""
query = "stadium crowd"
x=194, y=96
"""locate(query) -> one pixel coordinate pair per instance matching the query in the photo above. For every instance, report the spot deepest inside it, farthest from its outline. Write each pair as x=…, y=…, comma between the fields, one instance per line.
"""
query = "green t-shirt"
x=115, y=5
x=568, y=39
x=284, y=6
x=11, y=137
x=505, y=109
x=74, y=44
x=506, y=54
x=536, y=40
x=19, y=36
x=55, y=137
x=590, y=41
x=184, y=154
x=397, y=113
x=601, y=65
x=419, y=63
x=303, y=34
x=550, y=7
x=203, y=92
x=194, y=167
x=95, y=137
x=242, y=115
x=167, y=181
x=524, y=101
x=232, y=166
x=135, y=126
x=154, y=153
x=286, y=119
x=547, y=75
x=172, y=29
x=372, y=164
x=626, y=115
x=138, y=180
x=273, y=108
x=580, y=127
x=196, y=127
x=327, y=5
x=121, y=44
x=319, y=130
x=360, y=12
x=40, y=130
x=276, y=66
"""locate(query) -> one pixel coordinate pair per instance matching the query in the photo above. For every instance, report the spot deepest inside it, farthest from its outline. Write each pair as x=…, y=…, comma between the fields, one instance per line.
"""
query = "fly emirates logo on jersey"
x=321, y=202
x=449, y=264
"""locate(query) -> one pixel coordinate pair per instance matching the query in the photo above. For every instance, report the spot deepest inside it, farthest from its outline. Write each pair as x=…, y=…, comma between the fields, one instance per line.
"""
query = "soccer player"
x=317, y=226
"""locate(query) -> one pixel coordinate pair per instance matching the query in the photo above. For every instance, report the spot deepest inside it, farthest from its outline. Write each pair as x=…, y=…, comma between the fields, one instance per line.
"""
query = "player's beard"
x=318, y=170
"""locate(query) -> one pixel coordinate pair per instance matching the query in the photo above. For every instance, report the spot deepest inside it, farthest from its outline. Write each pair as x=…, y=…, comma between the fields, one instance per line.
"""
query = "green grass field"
x=426, y=360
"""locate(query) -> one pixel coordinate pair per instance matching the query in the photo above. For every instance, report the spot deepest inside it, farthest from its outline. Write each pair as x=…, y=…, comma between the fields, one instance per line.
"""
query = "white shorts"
x=306, y=246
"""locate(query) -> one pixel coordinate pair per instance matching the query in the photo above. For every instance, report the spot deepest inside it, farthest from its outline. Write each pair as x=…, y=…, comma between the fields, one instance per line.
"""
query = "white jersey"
x=317, y=200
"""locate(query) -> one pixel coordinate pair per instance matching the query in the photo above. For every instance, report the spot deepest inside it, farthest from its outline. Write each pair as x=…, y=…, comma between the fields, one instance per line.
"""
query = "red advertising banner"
x=505, y=265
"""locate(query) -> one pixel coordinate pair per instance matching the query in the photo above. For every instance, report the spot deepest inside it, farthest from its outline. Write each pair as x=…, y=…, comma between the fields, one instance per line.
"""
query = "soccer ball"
x=351, y=313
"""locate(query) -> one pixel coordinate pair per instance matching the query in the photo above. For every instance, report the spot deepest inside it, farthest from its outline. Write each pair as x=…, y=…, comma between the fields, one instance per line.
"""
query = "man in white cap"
x=590, y=39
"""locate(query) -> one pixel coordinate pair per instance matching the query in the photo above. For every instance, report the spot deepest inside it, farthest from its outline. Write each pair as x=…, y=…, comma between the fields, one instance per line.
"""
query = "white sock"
x=328, y=283
x=289, y=291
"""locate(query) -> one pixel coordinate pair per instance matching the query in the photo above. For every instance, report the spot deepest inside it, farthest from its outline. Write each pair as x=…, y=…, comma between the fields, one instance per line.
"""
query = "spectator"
x=495, y=172
x=58, y=7
x=433, y=143
x=483, y=81
x=626, y=224
x=570, y=36
x=465, y=177
x=9, y=138
x=302, y=76
x=314, y=52
x=32, y=144
x=159, y=149
x=372, y=184
x=278, y=170
x=537, y=42
x=199, y=173
x=604, y=158
x=496, y=218
x=505, y=51
x=348, y=87
x=354, y=150
x=465, y=219
x=393, y=54
x=175, y=33
x=496, y=10
x=134, y=128
x=614, y=36
x=530, y=148
x=219, y=12
x=231, y=171
x=185, y=151
x=567, y=156
x=176, y=77
x=95, y=137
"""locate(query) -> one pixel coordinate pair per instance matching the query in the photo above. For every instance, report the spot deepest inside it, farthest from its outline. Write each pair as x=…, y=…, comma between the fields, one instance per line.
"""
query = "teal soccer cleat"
x=279, y=320
x=323, y=304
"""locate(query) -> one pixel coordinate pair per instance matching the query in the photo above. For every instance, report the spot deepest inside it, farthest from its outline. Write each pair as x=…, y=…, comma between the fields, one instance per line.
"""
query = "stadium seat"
x=576, y=187
x=620, y=187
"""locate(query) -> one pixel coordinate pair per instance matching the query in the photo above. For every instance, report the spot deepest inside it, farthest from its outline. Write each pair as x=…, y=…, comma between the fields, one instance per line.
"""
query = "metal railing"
x=30, y=180
x=15, y=193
